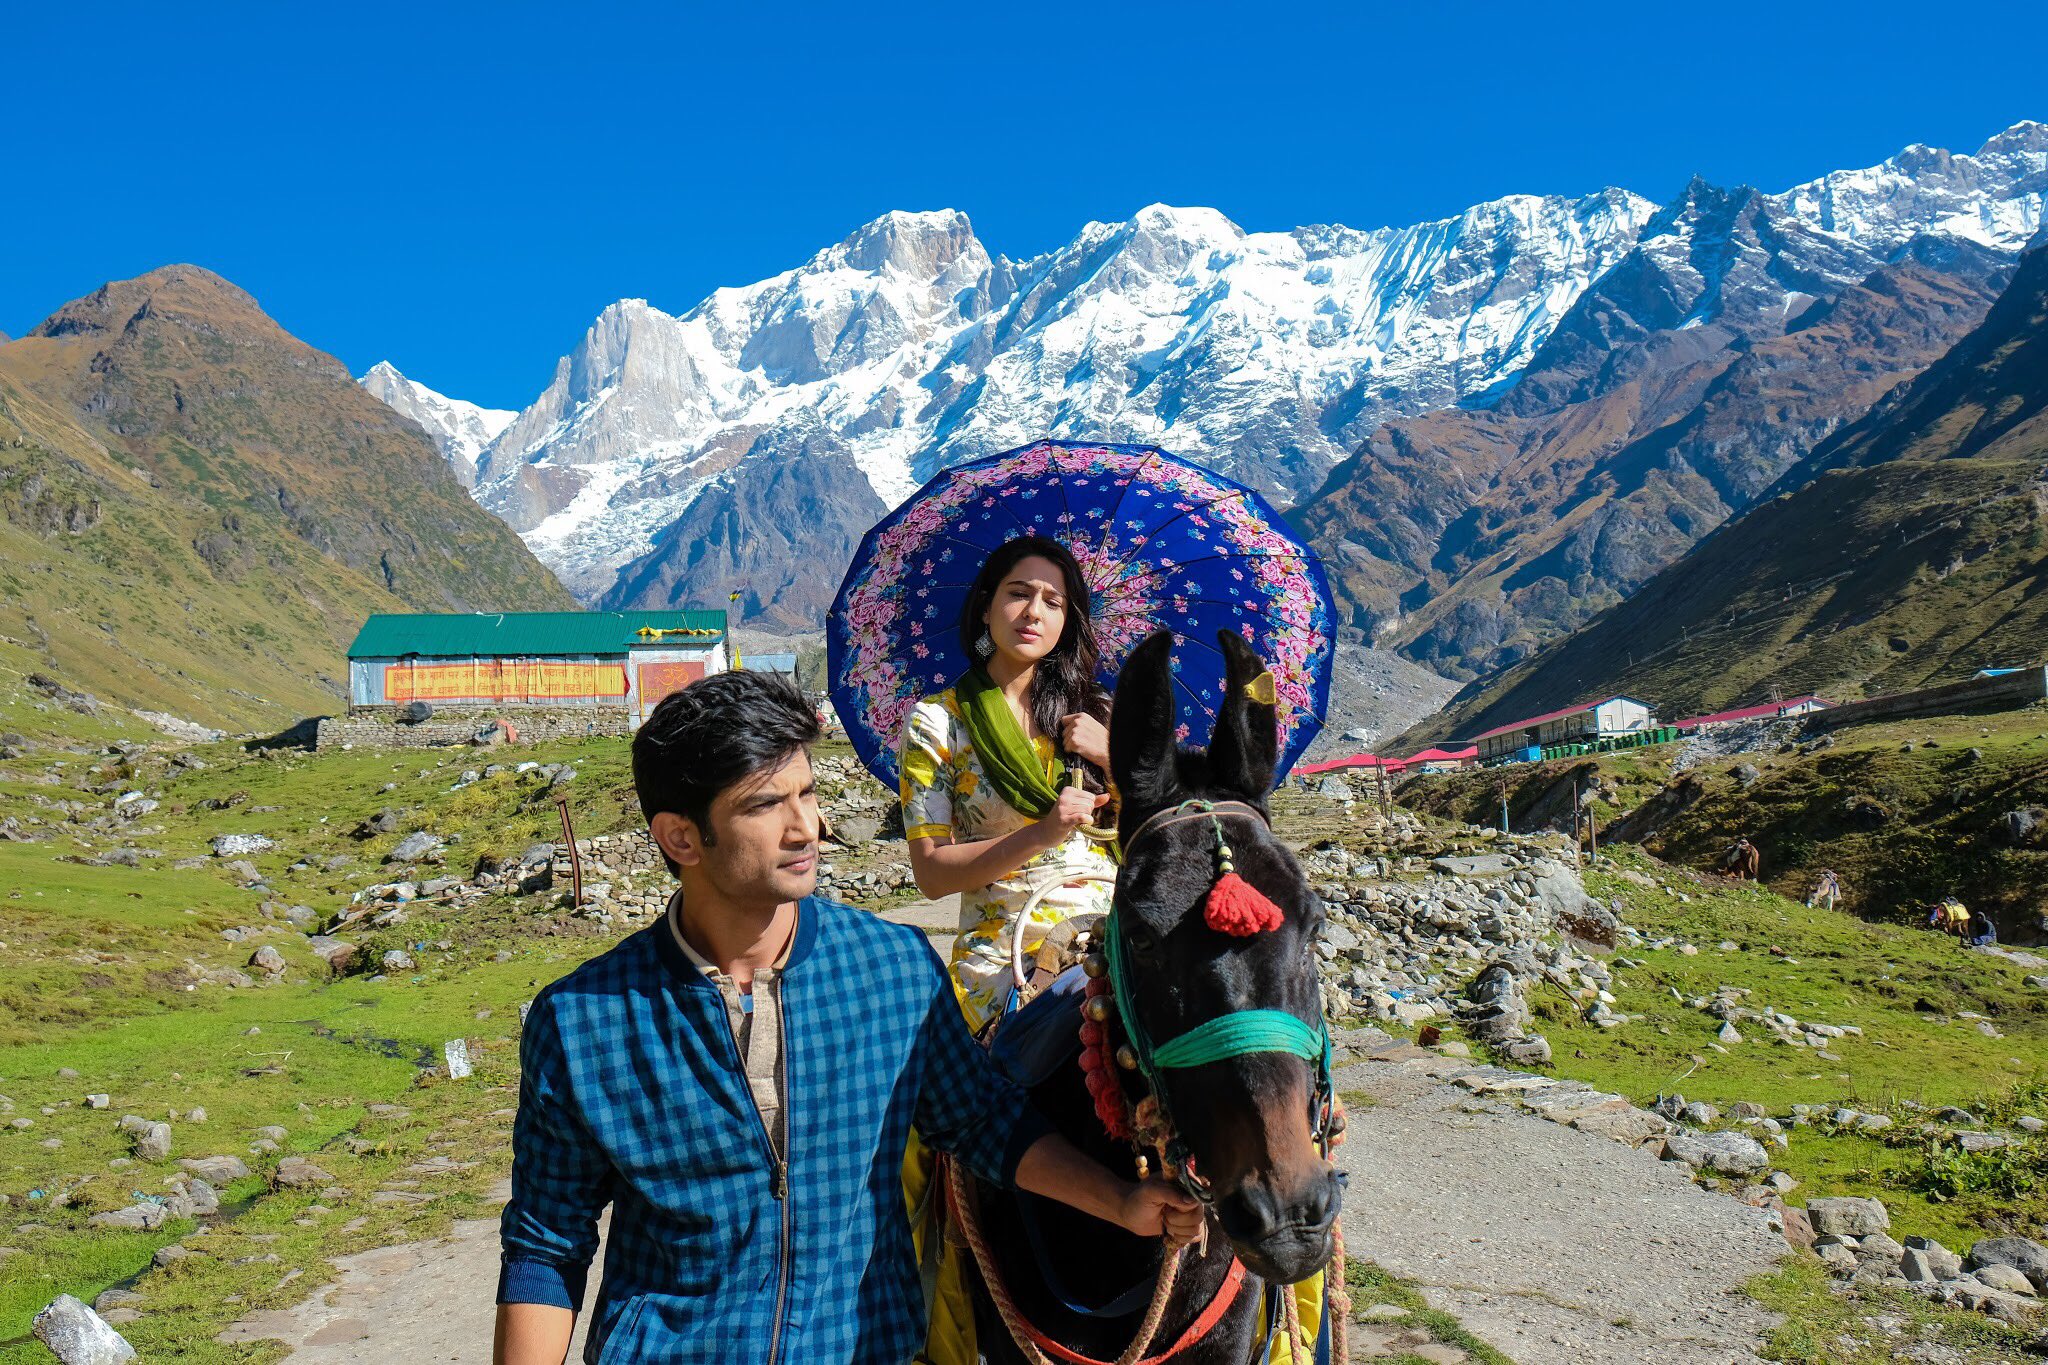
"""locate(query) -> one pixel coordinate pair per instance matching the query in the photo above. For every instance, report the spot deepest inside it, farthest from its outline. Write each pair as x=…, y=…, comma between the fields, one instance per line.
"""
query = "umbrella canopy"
x=1162, y=543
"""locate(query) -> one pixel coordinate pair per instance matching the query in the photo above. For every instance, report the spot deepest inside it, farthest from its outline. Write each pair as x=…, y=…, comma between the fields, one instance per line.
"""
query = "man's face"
x=765, y=845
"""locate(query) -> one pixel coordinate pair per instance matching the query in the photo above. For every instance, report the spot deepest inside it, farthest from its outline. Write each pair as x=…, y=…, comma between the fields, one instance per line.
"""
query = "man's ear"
x=678, y=837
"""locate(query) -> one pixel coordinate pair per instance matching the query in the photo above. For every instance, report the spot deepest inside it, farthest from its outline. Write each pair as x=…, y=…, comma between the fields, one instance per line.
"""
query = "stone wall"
x=2013, y=690
x=378, y=726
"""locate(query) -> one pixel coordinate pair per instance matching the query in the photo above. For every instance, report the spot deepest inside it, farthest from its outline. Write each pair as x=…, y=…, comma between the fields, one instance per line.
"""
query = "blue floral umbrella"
x=1162, y=543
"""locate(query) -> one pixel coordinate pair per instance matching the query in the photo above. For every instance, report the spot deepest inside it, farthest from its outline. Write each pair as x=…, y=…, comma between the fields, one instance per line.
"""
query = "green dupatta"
x=1008, y=758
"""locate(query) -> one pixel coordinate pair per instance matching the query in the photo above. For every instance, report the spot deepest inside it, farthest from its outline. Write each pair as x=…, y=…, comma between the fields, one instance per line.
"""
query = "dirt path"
x=1550, y=1244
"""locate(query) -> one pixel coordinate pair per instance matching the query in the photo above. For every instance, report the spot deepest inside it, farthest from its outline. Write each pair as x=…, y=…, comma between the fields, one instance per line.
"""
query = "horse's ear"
x=1244, y=748
x=1142, y=752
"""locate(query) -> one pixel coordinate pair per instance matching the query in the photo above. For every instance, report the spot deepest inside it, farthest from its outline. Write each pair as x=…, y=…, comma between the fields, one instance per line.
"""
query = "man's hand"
x=1153, y=1207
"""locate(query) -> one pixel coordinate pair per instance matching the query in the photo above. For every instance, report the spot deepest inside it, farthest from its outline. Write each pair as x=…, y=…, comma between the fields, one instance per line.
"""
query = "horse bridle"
x=1240, y=1033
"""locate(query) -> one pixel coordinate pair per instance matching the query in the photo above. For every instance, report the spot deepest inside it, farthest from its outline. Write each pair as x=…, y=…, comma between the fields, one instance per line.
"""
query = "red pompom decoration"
x=1239, y=908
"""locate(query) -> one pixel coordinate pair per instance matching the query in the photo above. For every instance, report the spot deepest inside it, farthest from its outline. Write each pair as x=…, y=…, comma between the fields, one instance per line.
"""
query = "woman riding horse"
x=986, y=814
x=1203, y=1054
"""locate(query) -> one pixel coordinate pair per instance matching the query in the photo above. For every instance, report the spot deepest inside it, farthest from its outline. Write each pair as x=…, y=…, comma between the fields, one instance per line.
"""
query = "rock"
x=297, y=1173
x=1939, y=1260
x=1837, y=1258
x=1630, y=1126
x=1476, y=865
x=1728, y=1034
x=144, y=1217
x=2018, y=827
x=397, y=960
x=216, y=1170
x=1721, y=1153
x=1880, y=1248
x=153, y=1143
x=857, y=831
x=267, y=960
x=2023, y=1254
x=413, y=712
x=384, y=821
x=413, y=847
x=1336, y=789
x=1848, y=1216
x=1746, y=1109
x=98, y=1101
x=1533, y=1050
x=1701, y=1114
x=243, y=871
x=78, y=1336
x=240, y=845
x=335, y=952
x=195, y=1198
x=2005, y=1278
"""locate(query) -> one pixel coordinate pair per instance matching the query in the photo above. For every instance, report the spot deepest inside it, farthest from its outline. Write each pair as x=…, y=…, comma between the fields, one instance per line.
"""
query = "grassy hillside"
x=197, y=510
x=1911, y=548
x=1905, y=813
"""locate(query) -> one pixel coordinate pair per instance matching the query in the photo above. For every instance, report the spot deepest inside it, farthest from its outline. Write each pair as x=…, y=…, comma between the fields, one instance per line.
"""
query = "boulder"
x=2005, y=1279
x=1722, y=1153
x=143, y=1217
x=413, y=712
x=153, y=1142
x=397, y=960
x=2023, y=1254
x=1848, y=1216
x=268, y=960
x=413, y=847
x=241, y=845
x=297, y=1173
x=1936, y=1260
x=78, y=1336
x=216, y=1170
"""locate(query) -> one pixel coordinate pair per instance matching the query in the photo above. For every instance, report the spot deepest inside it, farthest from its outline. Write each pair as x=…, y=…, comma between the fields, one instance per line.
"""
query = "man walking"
x=738, y=1081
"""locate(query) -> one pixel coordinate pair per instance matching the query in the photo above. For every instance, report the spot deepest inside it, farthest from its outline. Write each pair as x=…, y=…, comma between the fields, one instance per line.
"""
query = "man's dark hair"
x=715, y=733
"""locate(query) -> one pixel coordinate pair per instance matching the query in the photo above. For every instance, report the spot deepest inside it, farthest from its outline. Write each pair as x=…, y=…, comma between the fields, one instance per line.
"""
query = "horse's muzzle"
x=1282, y=1241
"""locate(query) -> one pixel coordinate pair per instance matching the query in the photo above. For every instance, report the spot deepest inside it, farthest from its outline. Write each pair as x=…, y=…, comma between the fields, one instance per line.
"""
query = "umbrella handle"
x=1094, y=832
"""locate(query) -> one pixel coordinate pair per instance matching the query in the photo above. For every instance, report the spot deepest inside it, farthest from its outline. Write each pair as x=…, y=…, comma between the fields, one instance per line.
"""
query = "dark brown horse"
x=1245, y=1129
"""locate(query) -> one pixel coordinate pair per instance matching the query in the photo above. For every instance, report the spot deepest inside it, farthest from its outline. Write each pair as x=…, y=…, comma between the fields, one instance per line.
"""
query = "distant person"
x=738, y=1082
x=1983, y=930
x=1826, y=892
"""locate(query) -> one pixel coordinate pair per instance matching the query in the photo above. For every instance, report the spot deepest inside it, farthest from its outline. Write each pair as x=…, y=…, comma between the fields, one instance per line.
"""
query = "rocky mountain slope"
x=459, y=430
x=1910, y=547
x=1273, y=356
x=1741, y=329
x=197, y=509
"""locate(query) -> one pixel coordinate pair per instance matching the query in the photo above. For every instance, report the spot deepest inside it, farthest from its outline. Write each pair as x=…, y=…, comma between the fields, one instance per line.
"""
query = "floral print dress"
x=946, y=795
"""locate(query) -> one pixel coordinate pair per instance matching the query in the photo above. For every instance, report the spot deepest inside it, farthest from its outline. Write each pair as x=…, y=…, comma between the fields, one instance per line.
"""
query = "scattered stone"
x=216, y=1170
x=1721, y=1153
x=153, y=1143
x=297, y=1173
x=414, y=847
x=1848, y=1216
x=268, y=960
x=2023, y=1254
x=2005, y=1278
x=78, y=1336
x=397, y=960
x=144, y=1217
x=241, y=845
x=1729, y=1034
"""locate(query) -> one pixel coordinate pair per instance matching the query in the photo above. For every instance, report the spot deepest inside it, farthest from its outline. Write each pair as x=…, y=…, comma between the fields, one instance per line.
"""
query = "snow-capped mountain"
x=460, y=429
x=908, y=345
x=675, y=458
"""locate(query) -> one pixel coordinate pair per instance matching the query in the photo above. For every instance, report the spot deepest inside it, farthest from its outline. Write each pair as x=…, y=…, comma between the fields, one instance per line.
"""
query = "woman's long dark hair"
x=1065, y=682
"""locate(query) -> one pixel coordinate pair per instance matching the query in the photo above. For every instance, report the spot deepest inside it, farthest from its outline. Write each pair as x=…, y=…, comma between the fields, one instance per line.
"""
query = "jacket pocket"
x=621, y=1337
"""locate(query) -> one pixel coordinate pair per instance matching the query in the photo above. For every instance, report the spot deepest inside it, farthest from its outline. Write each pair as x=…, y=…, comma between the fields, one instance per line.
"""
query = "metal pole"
x=1386, y=809
x=575, y=859
x=1504, y=806
x=1592, y=836
x=1576, y=817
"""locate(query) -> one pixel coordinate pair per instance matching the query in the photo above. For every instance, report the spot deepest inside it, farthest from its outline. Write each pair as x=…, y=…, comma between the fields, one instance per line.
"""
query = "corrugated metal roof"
x=451, y=635
x=1769, y=708
x=1558, y=714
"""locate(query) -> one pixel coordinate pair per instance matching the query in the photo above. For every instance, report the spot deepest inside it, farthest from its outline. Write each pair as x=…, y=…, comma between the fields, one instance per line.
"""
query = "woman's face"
x=1029, y=611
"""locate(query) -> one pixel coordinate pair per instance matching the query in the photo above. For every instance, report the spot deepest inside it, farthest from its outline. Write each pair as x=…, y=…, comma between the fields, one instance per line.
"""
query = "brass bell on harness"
x=1096, y=966
x=1098, y=1009
x=1126, y=1058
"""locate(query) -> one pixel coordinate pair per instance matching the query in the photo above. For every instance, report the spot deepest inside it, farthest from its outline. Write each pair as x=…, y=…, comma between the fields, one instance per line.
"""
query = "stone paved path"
x=1555, y=1246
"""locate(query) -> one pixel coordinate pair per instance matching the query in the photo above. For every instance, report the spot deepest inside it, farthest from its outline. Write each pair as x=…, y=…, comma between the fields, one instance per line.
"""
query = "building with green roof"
x=626, y=660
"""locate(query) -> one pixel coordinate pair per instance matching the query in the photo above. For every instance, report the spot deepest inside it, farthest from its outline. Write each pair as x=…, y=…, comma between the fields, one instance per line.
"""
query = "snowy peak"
x=1993, y=198
x=460, y=430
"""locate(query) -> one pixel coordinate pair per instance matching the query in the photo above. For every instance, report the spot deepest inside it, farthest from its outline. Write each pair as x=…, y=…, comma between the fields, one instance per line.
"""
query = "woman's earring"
x=984, y=647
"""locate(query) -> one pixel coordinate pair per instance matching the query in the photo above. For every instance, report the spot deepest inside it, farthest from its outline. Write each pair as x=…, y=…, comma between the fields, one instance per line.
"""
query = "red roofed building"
x=1770, y=710
x=1444, y=760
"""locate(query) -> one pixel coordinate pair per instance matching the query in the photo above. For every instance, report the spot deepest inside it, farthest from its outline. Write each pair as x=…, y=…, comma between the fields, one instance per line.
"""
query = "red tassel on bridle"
x=1235, y=906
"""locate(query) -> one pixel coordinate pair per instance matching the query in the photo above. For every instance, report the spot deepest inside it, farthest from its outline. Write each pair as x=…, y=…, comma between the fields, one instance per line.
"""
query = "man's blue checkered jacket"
x=633, y=1094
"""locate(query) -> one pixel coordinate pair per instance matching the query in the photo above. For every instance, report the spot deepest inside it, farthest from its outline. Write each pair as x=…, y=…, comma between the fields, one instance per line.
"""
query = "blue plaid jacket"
x=633, y=1094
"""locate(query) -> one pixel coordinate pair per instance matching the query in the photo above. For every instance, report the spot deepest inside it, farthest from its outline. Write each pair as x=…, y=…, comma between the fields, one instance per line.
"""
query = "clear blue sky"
x=460, y=187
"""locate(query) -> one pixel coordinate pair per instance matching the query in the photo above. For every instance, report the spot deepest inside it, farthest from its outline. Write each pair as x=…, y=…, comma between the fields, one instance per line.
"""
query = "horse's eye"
x=1141, y=939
